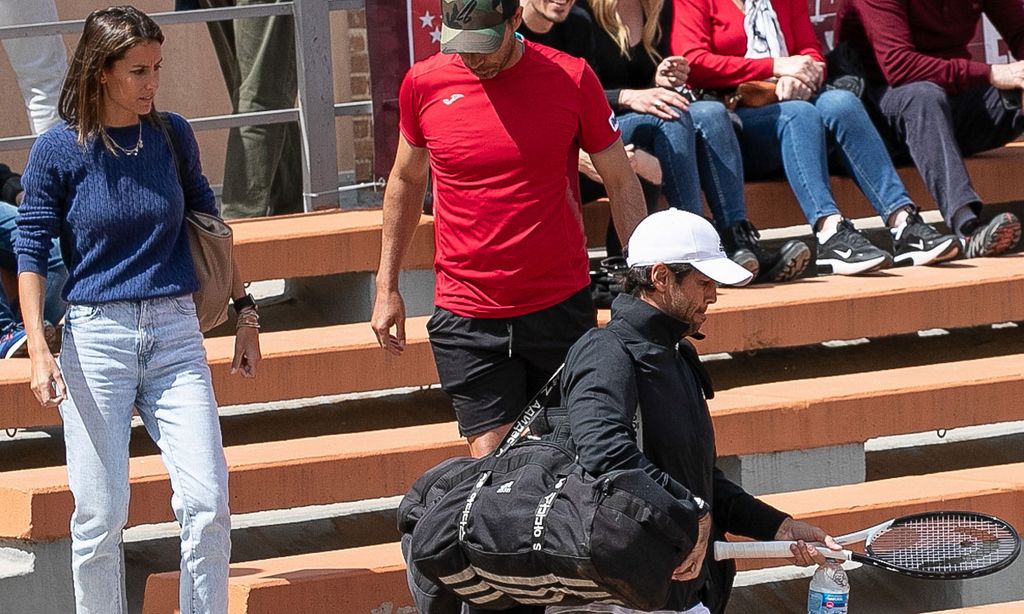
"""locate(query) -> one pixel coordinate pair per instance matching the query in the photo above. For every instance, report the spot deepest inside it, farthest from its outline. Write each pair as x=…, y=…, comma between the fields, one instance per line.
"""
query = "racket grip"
x=769, y=550
x=753, y=550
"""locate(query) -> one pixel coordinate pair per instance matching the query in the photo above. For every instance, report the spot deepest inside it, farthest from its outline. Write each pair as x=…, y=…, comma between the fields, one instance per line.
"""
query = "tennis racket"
x=935, y=545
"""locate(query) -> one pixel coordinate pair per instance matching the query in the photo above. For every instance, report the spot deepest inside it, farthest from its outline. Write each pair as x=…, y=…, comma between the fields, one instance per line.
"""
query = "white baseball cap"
x=674, y=236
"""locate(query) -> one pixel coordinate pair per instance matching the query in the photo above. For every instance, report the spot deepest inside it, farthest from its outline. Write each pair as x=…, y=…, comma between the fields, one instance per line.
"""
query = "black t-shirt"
x=574, y=36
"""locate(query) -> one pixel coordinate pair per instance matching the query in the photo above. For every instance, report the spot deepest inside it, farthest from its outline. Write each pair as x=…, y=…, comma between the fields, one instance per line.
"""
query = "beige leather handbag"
x=210, y=241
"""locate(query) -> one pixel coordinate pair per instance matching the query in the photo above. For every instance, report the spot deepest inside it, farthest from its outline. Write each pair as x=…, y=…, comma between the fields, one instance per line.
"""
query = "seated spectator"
x=12, y=331
x=727, y=43
x=627, y=55
x=935, y=104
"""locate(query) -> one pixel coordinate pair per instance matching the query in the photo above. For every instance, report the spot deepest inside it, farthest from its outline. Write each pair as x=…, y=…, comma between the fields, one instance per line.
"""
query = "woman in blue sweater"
x=105, y=181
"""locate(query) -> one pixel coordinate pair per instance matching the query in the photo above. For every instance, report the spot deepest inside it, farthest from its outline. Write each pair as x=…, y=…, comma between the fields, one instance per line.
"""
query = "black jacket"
x=640, y=357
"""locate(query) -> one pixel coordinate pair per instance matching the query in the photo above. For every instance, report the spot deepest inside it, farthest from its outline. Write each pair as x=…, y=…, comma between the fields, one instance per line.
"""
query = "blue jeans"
x=720, y=162
x=149, y=355
x=698, y=150
x=796, y=136
x=53, y=308
x=673, y=143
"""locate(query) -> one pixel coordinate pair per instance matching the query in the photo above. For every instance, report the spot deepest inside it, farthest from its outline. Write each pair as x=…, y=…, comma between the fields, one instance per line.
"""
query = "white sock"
x=828, y=228
x=900, y=220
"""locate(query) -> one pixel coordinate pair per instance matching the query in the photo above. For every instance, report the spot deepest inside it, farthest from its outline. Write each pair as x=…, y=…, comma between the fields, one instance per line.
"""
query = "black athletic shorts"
x=491, y=367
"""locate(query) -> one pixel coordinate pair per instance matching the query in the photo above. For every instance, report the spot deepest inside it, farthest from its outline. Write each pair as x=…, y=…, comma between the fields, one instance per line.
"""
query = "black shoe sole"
x=793, y=260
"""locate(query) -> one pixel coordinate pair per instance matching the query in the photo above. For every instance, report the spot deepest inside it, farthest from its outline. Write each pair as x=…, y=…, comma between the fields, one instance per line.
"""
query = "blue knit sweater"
x=120, y=218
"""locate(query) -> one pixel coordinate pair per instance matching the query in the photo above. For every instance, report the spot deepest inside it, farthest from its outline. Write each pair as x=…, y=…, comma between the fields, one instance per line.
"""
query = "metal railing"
x=316, y=109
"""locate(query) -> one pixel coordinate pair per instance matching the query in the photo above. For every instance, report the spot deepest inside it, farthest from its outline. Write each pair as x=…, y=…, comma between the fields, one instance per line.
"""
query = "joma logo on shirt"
x=452, y=99
x=614, y=123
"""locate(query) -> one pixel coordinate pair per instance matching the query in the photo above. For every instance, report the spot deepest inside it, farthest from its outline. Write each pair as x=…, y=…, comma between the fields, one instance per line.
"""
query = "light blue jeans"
x=56, y=273
x=149, y=355
x=796, y=136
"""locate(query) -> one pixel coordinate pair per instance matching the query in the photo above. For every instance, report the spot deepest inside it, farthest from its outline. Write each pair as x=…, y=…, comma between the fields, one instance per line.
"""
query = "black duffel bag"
x=527, y=525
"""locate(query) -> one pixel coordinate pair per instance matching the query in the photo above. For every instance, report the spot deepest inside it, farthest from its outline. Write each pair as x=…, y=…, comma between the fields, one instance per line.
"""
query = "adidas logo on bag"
x=505, y=488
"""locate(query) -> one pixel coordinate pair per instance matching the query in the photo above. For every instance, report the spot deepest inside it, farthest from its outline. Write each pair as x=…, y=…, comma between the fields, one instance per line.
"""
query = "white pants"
x=39, y=62
x=614, y=609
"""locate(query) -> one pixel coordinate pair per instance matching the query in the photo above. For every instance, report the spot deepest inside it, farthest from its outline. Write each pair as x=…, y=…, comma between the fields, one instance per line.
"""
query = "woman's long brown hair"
x=109, y=33
x=607, y=16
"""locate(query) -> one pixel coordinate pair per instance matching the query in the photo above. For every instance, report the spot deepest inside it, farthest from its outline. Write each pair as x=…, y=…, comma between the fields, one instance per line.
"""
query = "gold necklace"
x=131, y=151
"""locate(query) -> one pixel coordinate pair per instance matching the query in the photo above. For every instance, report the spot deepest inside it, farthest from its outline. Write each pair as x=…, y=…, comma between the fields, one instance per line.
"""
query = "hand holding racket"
x=935, y=545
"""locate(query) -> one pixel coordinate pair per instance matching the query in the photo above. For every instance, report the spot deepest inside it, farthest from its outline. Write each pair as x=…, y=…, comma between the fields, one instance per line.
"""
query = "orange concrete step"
x=346, y=358
x=771, y=204
x=361, y=579
x=35, y=503
x=329, y=242
x=1008, y=607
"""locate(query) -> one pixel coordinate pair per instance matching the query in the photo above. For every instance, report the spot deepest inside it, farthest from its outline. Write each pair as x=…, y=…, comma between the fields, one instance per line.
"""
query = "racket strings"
x=945, y=544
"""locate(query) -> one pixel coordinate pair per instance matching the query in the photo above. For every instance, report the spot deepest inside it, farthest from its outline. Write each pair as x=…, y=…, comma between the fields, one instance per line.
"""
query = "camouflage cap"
x=474, y=26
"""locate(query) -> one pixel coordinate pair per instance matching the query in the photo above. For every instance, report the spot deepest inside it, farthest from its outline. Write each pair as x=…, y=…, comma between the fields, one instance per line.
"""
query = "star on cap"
x=427, y=20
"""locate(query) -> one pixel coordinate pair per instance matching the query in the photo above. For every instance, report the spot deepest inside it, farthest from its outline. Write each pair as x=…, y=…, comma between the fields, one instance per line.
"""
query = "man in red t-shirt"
x=935, y=104
x=499, y=121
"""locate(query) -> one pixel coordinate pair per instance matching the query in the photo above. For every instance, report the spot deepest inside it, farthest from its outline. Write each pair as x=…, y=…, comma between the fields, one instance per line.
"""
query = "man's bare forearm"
x=625, y=196
x=403, y=201
x=626, y=201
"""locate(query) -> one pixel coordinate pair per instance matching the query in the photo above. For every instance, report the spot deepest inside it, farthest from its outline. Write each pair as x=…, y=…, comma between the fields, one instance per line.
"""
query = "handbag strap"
x=162, y=122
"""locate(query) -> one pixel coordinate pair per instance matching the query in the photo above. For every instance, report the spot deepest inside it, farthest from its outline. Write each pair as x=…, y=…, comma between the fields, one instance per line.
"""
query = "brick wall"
x=362, y=126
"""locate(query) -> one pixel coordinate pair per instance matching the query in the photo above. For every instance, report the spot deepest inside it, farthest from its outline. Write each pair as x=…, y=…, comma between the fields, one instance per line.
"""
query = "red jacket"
x=904, y=41
x=709, y=33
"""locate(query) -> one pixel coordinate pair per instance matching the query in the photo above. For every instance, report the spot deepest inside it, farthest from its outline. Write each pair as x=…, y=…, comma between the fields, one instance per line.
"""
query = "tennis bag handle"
x=529, y=414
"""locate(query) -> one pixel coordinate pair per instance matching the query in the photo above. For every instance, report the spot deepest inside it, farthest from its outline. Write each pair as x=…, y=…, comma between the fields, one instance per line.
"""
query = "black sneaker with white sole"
x=742, y=243
x=848, y=252
x=998, y=236
x=916, y=244
x=790, y=263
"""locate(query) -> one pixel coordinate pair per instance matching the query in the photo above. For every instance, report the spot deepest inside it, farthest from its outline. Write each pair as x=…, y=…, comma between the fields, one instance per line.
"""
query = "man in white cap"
x=499, y=122
x=635, y=393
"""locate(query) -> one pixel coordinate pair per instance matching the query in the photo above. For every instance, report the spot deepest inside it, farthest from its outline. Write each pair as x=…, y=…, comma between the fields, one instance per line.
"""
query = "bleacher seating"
x=349, y=241
x=754, y=418
x=346, y=358
x=361, y=579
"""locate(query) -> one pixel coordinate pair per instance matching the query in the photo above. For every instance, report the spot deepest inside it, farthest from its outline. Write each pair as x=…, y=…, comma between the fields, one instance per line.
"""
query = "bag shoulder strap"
x=533, y=409
x=162, y=120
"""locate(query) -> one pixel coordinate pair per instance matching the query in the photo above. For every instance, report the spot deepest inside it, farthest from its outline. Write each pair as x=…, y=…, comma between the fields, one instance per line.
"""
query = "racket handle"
x=768, y=550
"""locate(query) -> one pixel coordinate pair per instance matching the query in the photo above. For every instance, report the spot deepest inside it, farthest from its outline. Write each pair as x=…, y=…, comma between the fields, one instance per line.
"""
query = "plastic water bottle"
x=830, y=590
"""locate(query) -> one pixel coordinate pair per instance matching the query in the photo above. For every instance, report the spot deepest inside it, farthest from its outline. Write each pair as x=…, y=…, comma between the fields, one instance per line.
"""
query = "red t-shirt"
x=710, y=35
x=508, y=222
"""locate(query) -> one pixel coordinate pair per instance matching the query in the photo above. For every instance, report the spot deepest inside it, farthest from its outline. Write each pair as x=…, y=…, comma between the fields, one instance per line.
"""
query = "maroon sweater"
x=904, y=41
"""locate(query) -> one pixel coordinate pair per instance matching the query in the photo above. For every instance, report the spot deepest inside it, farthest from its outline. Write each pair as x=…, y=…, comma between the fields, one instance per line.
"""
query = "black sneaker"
x=848, y=252
x=916, y=244
x=790, y=263
x=998, y=236
x=742, y=244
